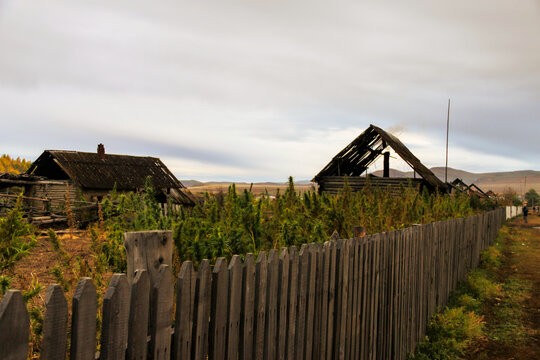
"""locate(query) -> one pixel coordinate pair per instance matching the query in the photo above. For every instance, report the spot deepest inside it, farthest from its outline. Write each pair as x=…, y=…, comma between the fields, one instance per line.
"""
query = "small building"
x=59, y=173
x=472, y=189
x=351, y=164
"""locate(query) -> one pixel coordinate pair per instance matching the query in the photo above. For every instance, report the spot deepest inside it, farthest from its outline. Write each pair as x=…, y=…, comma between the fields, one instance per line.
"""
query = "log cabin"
x=60, y=173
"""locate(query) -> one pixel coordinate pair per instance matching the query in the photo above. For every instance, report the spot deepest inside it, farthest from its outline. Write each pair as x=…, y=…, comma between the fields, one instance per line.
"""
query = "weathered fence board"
x=235, y=306
x=219, y=309
x=292, y=303
x=55, y=324
x=115, y=319
x=369, y=297
x=183, y=324
x=138, y=316
x=15, y=326
x=247, y=315
x=261, y=279
x=201, y=311
x=161, y=313
x=83, y=321
x=283, y=296
x=270, y=343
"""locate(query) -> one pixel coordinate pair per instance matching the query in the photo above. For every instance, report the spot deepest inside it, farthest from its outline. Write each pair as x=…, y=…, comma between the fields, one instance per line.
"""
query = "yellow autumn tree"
x=14, y=166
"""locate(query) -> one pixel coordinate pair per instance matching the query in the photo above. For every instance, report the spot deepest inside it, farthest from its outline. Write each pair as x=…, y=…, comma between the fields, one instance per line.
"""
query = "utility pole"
x=447, y=129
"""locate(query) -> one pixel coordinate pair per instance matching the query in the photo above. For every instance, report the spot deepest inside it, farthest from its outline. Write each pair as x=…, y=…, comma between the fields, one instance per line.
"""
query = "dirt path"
x=521, y=260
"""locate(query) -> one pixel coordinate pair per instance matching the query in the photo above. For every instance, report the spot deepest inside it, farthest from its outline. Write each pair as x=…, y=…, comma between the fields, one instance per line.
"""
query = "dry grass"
x=256, y=189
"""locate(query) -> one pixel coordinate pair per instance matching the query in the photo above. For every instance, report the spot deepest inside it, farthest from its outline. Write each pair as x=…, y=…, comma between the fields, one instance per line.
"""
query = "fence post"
x=148, y=250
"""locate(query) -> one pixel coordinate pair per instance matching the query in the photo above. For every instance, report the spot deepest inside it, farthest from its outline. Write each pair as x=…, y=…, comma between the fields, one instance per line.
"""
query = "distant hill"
x=189, y=183
x=519, y=181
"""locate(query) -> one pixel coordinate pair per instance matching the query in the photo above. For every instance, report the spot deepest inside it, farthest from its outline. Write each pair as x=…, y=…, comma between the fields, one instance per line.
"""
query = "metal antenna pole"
x=447, y=129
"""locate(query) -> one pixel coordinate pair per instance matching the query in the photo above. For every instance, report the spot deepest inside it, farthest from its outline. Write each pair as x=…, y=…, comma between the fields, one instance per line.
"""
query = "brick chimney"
x=101, y=151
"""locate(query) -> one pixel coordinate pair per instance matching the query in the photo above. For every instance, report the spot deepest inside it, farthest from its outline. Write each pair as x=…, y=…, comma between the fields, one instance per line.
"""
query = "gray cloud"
x=238, y=83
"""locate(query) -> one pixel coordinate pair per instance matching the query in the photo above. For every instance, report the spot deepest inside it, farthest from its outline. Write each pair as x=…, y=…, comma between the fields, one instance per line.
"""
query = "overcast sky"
x=260, y=90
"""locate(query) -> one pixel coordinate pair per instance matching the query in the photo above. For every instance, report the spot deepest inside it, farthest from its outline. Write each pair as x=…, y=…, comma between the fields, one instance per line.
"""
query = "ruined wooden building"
x=58, y=174
x=351, y=164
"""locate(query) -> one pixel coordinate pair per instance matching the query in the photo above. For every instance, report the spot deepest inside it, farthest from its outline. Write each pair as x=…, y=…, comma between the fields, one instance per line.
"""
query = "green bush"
x=237, y=223
x=448, y=334
x=15, y=239
x=481, y=287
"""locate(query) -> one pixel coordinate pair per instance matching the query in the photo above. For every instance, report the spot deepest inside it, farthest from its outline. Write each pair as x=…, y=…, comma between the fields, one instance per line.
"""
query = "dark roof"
x=89, y=171
x=356, y=157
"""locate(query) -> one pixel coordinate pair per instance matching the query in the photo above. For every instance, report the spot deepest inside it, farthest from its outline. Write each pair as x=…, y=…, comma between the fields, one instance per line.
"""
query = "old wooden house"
x=58, y=174
x=351, y=164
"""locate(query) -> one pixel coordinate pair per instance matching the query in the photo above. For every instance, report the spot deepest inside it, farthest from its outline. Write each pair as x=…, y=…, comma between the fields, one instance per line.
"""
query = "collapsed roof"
x=363, y=151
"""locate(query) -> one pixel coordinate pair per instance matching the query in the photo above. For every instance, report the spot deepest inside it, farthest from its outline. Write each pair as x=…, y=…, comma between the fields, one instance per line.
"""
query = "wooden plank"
x=55, y=321
x=336, y=329
x=348, y=323
x=235, y=306
x=270, y=343
x=138, y=316
x=393, y=293
x=148, y=250
x=359, y=285
x=403, y=295
x=414, y=282
x=366, y=296
x=283, y=296
x=161, y=313
x=14, y=327
x=303, y=273
x=83, y=321
x=115, y=319
x=332, y=247
x=201, y=311
x=247, y=314
x=357, y=336
x=409, y=298
x=376, y=289
x=319, y=298
x=351, y=305
x=261, y=279
x=183, y=323
x=325, y=282
x=343, y=310
x=293, y=302
x=383, y=297
x=310, y=300
x=218, y=310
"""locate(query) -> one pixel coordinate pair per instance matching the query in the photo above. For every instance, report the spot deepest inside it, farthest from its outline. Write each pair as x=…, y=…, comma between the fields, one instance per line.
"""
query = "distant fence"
x=513, y=211
x=361, y=298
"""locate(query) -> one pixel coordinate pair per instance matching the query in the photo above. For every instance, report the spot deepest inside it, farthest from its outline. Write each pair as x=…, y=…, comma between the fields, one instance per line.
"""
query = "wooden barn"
x=57, y=173
x=351, y=165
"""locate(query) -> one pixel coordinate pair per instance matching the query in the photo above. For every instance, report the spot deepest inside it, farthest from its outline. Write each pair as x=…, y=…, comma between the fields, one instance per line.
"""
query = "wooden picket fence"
x=361, y=298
